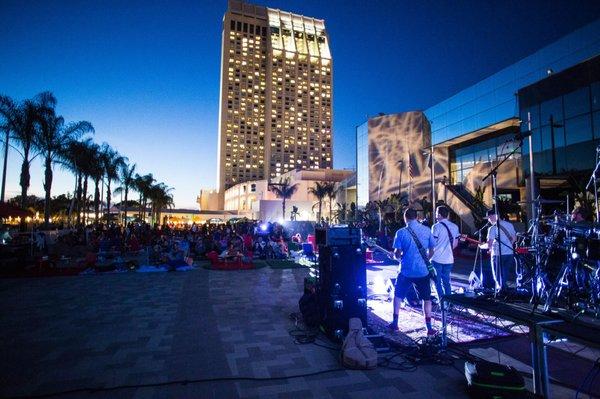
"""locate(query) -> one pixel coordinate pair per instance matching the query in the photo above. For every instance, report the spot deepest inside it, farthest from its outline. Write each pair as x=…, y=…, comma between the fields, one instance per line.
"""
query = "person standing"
x=446, y=236
x=410, y=244
x=500, y=238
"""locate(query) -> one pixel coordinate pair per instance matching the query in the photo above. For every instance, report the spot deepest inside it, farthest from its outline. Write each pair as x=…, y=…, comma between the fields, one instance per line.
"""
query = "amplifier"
x=338, y=236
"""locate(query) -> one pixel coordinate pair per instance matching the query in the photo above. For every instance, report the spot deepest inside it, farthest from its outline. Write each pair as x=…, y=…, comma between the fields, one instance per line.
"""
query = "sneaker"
x=393, y=326
x=432, y=332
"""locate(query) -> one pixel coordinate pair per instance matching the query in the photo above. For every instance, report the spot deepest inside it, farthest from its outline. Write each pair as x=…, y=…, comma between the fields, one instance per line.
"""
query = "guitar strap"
x=450, y=238
x=419, y=247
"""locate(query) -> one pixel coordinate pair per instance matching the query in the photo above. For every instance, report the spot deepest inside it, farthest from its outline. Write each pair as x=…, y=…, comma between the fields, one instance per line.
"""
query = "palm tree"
x=283, y=190
x=78, y=159
x=24, y=121
x=96, y=170
x=127, y=179
x=161, y=198
x=142, y=185
x=113, y=162
x=319, y=190
x=51, y=141
x=332, y=192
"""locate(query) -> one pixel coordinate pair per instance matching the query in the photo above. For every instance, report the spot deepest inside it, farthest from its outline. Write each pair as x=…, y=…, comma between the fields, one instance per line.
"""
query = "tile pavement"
x=126, y=329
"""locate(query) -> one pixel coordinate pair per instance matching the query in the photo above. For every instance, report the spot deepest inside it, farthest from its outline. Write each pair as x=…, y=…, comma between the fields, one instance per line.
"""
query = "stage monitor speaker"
x=338, y=235
x=342, y=288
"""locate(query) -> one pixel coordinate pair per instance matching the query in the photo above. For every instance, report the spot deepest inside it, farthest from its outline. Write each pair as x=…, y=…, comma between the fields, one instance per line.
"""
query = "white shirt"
x=443, y=244
x=504, y=239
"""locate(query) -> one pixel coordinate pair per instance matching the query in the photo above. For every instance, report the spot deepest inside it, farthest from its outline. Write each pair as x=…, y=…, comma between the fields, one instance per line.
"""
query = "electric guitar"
x=372, y=243
x=466, y=238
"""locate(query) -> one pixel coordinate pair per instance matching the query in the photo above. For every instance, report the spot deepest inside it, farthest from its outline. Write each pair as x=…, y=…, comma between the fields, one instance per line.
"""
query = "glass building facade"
x=563, y=112
x=475, y=125
x=494, y=99
x=492, y=150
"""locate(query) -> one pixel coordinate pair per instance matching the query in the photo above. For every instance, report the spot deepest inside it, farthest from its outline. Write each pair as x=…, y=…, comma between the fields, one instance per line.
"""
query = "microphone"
x=522, y=135
x=484, y=226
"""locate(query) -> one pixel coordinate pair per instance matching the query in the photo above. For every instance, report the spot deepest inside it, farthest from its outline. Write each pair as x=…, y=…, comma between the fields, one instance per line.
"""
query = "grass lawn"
x=282, y=264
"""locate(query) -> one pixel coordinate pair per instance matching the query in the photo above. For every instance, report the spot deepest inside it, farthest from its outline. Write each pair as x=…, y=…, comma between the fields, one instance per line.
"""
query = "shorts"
x=421, y=284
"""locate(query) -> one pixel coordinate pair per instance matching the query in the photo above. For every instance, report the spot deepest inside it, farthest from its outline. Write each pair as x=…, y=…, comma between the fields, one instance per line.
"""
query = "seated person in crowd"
x=133, y=243
x=260, y=248
x=175, y=257
x=231, y=253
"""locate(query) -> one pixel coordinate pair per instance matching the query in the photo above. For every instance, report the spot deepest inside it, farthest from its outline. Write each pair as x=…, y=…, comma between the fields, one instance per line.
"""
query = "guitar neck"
x=465, y=238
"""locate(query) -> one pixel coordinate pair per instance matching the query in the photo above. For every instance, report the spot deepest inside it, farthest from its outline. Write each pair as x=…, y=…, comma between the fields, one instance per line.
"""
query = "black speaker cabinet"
x=342, y=288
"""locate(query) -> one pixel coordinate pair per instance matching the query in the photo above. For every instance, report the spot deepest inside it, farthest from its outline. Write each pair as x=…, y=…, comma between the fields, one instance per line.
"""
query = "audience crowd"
x=170, y=244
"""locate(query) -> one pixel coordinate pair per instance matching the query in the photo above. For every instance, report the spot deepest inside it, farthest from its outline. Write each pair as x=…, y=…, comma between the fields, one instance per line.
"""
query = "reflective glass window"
x=559, y=137
x=596, y=96
x=533, y=113
x=551, y=108
x=578, y=129
x=577, y=102
x=546, y=138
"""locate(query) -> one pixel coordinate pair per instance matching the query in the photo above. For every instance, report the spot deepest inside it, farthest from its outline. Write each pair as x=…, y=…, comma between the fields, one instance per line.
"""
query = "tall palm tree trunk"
x=7, y=137
x=125, y=213
x=283, y=208
x=47, y=189
x=108, y=198
x=72, y=204
x=96, y=200
x=78, y=198
x=24, y=182
x=320, y=209
x=84, y=205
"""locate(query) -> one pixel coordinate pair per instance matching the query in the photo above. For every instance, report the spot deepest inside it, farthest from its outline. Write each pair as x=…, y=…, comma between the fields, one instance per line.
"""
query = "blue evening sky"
x=146, y=73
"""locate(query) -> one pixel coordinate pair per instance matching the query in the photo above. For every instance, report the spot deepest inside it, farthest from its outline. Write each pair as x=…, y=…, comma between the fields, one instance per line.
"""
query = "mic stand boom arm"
x=494, y=173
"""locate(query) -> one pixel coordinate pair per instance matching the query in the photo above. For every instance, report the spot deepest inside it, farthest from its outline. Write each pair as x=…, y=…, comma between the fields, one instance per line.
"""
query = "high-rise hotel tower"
x=275, y=109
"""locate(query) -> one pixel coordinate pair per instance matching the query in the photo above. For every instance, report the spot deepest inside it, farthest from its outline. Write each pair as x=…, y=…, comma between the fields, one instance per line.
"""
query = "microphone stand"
x=494, y=174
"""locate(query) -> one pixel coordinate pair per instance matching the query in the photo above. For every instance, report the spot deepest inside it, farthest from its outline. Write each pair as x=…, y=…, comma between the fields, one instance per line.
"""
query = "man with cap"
x=500, y=238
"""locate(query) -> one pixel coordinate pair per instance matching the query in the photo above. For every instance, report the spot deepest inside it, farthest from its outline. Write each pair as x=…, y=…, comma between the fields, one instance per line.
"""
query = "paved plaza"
x=106, y=331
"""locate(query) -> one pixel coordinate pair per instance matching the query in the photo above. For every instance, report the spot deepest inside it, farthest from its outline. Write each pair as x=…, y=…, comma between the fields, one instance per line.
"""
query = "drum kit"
x=558, y=262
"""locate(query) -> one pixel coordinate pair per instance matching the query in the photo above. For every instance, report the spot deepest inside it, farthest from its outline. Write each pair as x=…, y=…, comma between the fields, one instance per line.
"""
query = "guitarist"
x=501, y=237
x=410, y=244
x=446, y=236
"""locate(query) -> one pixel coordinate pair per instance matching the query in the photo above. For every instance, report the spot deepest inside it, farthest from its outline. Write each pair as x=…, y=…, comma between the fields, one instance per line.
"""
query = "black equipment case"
x=494, y=381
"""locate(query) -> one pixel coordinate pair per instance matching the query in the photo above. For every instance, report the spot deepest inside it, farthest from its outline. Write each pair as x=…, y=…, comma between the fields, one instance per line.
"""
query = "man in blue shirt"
x=413, y=270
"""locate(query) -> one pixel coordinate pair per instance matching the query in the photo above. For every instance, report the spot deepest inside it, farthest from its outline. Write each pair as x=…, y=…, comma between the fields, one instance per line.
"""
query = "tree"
x=283, y=190
x=95, y=168
x=341, y=213
x=161, y=198
x=127, y=179
x=142, y=185
x=79, y=158
x=319, y=190
x=51, y=142
x=332, y=191
x=22, y=123
x=112, y=162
